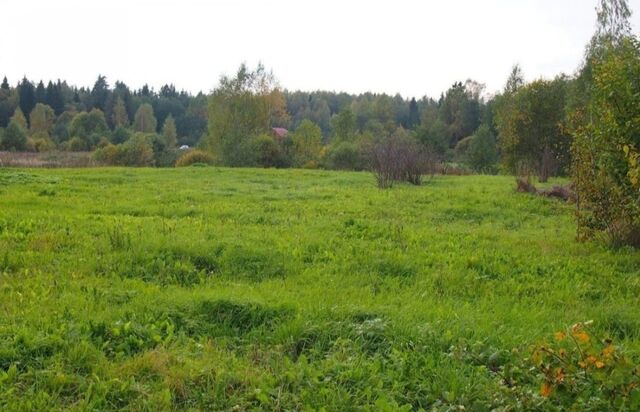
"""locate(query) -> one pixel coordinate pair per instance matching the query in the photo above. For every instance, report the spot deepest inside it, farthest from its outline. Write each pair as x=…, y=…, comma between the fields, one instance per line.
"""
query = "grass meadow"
x=207, y=288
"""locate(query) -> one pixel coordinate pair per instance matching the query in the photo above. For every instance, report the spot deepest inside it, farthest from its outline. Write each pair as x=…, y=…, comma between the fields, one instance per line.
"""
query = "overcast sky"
x=412, y=47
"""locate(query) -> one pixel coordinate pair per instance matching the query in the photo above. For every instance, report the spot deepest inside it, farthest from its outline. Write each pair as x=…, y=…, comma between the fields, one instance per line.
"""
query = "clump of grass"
x=47, y=192
x=119, y=239
x=229, y=318
x=241, y=262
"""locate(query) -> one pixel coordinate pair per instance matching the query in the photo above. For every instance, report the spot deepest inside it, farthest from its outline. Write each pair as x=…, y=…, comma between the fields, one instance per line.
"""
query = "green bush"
x=120, y=135
x=137, y=151
x=194, y=156
x=43, y=144
x=76, y=144
x=346, y=156
x=605, y=149
x=167, y=158
x=108, y=154
x=481, y=155
x=13, y=138
x=268, y=152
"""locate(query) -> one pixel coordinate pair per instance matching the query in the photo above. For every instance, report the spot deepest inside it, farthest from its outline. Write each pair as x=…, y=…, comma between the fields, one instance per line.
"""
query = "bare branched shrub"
x=383, y=159
x=400, y=158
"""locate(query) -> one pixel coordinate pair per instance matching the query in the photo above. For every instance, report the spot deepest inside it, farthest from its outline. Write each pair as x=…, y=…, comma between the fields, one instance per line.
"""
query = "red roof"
x=280, y=132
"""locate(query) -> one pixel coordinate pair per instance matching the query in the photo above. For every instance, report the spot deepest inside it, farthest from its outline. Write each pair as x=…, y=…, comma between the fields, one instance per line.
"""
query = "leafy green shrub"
x=109, y=154
x=481, y=155
x=13, y=138
x=608, y=195
x=120, y=135
x=306, y=144
x=311, y=164
x=194, y=156
x=461, y=148
x=76, y=144
x=41, y=142
x=346, y=156
x=268, y=152
x=167, y=157
x=89, y=127
x=137, y=151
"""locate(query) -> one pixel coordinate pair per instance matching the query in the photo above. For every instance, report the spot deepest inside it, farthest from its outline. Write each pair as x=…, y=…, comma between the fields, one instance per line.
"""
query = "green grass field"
x=241, y=289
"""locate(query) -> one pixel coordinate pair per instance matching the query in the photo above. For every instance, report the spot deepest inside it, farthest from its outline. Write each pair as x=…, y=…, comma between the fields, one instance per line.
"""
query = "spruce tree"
x=41, y=93
x=27, y=96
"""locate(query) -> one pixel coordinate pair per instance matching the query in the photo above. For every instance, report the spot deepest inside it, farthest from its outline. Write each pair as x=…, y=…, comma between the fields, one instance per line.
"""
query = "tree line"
x=35, y=117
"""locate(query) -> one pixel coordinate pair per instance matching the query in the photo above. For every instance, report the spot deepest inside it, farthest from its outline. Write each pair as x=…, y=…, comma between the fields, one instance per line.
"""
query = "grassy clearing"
x=207, y=288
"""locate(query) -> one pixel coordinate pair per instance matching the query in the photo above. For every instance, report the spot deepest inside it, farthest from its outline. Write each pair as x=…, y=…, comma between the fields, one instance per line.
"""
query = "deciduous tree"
x=41, y=120
x=20, y=120
x=144, y=120
x=13, y=138
x=307, y=143
x=120, y=117
x=169, y=132
x=241, y=108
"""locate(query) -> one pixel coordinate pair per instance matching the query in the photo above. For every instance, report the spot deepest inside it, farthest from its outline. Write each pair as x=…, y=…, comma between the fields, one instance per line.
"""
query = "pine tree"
x=41, y=93
x=5, y=84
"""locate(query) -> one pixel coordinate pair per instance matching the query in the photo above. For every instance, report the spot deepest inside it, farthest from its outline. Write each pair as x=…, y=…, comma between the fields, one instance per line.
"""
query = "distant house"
x=279, y=132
